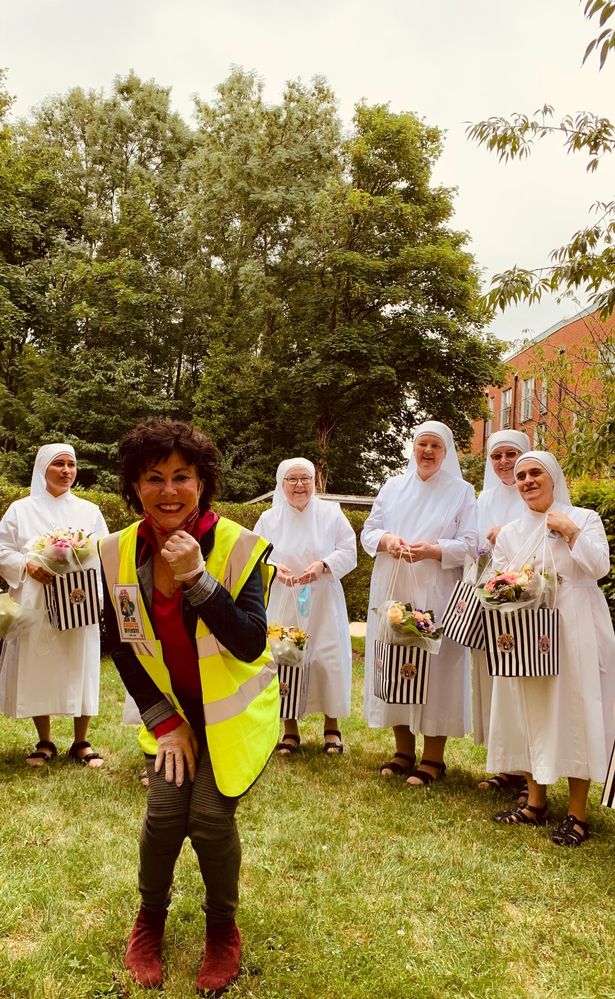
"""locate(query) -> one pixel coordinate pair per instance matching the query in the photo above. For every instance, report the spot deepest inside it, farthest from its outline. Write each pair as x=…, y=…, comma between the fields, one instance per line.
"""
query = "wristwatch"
x=325, y=567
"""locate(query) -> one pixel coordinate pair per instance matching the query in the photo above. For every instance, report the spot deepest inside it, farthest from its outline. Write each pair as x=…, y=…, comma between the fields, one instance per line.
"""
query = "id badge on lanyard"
x=128, y=612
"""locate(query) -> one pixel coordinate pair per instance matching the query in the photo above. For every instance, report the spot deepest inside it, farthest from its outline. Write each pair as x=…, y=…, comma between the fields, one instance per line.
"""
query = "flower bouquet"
x=402, y=624
x=15, y=619
x=63, y=551
x=507, y=590
x=287, y=644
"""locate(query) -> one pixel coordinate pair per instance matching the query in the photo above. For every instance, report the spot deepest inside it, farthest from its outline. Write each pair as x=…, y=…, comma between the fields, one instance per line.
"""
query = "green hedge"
x=597, y=495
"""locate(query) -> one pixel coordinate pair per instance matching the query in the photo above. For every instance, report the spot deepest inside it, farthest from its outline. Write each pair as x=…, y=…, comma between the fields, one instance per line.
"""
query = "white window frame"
x=527, y=399
x=543, y=404
x=506, y=409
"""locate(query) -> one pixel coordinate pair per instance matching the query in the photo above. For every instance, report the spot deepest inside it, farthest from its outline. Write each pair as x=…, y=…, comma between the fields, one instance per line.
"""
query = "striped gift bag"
x=72, y=600
x=608, y=795
x=462, y=620
x=401, y=673
x=294, y=682
x=523, y=642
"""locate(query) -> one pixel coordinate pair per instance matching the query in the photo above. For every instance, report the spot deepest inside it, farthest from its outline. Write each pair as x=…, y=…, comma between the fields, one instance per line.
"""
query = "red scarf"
x=196, y=524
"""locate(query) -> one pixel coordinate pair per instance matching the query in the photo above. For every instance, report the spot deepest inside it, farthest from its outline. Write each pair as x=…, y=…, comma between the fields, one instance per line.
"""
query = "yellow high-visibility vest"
x=240, y=700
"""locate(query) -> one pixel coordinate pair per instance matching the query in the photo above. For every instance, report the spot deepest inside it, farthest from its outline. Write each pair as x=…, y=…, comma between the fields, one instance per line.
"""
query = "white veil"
x=451, y=462
x=552, y=465
x=514, y=438
x=44, y=456
x=283, y=467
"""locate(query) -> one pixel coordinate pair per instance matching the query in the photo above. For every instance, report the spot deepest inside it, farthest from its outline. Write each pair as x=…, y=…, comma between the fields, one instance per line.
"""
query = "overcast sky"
x=450, y=61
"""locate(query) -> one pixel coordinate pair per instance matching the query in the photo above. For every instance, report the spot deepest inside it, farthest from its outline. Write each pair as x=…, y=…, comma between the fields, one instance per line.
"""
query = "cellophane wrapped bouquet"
x=512, y=589
x=62, y=551
x=15, y=619
x=403, y=624
x=287, y=644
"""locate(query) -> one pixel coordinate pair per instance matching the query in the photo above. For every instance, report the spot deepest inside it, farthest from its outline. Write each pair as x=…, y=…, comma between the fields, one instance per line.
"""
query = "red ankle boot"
x=222, y=957
x=143, y=954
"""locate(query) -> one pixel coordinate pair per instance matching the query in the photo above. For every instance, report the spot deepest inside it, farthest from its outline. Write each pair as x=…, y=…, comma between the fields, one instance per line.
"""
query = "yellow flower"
x=395, y=614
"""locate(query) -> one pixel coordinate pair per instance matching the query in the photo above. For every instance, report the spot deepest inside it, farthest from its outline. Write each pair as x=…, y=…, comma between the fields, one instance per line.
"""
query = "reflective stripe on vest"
x=240, y=700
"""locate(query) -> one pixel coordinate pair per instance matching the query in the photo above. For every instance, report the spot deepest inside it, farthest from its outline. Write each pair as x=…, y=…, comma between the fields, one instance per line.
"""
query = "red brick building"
x=531, y=400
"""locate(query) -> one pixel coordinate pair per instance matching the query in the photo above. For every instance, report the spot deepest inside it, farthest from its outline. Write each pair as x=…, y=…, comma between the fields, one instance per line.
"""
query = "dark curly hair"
x=153, y=441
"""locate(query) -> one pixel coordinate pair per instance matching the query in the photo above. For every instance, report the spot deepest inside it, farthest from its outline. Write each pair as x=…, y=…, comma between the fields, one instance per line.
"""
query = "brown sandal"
x=425, y=776
x=399, y=769
x=571, y=832
x=40, y=758
x=88, y=759
x=333, y=748
x=285, y=748
x=519, y=817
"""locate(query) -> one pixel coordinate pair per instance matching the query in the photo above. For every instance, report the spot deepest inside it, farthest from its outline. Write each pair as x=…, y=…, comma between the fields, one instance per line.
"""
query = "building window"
x=527, y=397
x=505, y=409
x=544, y=396
x=489, y=425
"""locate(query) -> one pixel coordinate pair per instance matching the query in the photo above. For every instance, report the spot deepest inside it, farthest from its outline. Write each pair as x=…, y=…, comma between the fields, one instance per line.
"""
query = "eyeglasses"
x=294, y=480
x=505, y=454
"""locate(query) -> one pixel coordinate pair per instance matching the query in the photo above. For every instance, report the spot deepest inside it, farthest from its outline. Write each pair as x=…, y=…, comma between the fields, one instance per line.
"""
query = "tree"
x=586, y=264
x=355, y=308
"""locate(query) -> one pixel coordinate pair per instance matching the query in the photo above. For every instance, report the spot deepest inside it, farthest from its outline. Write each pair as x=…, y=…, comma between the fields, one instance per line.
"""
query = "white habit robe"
x=46, y=672
x=496, y=506
x=439, y=509
x=560, y=726
x=300, y=537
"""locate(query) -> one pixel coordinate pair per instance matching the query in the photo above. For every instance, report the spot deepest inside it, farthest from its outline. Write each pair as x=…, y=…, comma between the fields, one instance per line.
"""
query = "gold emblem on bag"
x=460, y=606
x=506, y=643
x=77, y=596
x=284, y=689
x=408, y=671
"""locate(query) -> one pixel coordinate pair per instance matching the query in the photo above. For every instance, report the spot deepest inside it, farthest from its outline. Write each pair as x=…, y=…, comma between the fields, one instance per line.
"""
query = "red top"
x=178, y=649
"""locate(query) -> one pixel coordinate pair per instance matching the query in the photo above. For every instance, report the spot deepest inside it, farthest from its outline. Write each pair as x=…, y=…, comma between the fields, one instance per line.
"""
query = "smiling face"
x=298, y=486
x=503, y=458
x=60, y=474
x=169, y=491
x=429, y=453
x=535, y=485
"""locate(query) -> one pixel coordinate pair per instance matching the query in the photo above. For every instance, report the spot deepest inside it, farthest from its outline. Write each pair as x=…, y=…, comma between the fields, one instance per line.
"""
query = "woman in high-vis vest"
x=185, y=600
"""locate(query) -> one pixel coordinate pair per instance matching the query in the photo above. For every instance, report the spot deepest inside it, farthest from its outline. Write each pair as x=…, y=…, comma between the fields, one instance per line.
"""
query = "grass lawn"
x=352, y=886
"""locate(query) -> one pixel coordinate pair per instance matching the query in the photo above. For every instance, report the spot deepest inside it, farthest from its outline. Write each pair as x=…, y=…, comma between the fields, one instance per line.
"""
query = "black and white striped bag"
x=401, y=673
x=608, y=795
x=462, y=620
x=523, y=642
x=294, y=681
x=72, y=600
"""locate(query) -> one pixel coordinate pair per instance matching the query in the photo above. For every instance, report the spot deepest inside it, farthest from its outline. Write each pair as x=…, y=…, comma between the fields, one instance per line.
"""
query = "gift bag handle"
x=285, y=601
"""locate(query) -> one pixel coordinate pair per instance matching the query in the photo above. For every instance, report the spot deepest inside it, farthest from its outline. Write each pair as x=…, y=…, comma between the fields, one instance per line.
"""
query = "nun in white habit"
x=498, y=504
x=427, y=517
x=552, y=727
x=49, y=672
x=314, y=546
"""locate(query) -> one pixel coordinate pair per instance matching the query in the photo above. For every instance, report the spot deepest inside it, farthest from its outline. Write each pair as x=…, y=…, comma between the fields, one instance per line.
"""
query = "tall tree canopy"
x=290, y=288
x=585, y=433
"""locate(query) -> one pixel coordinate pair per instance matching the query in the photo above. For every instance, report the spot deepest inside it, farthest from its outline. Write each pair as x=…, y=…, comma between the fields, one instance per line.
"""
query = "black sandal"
x=87, y=759
x=504, y=782
x=285, y=748
x=39, y=755
x=333, y=748
x=399, y=769
x=519, y=817
x=425, y=776
x=567, y=835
